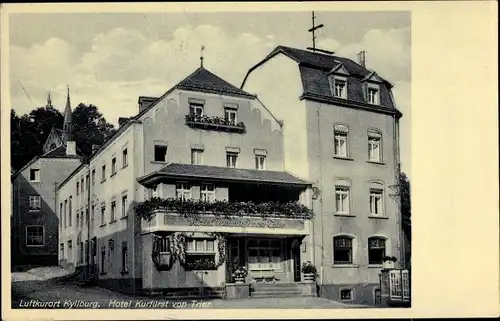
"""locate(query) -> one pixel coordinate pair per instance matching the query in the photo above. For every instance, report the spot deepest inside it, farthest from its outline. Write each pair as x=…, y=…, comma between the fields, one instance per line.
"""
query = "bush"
x=309, y=268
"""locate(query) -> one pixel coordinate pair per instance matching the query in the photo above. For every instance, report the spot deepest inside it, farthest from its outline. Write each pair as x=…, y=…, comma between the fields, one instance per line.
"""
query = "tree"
x=30, y=131
x=405, y=201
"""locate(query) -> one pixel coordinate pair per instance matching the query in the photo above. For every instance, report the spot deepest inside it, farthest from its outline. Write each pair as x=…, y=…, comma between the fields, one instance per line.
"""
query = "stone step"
x=277, y=295
x=281, y=285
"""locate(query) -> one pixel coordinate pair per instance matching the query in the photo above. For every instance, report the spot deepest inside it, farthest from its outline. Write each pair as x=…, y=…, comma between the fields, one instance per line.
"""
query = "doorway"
x=296, y=260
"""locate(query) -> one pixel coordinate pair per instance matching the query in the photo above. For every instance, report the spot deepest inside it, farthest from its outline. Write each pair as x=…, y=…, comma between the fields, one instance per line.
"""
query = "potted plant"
x=389, y=262
x=309, y=272
x=240, y=274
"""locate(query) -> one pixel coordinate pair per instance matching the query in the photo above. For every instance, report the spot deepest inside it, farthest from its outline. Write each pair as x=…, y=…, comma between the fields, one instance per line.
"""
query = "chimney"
x=145, y=102
x=95, y=148
x=122, y=121
x=71, y=148
x=361, y=58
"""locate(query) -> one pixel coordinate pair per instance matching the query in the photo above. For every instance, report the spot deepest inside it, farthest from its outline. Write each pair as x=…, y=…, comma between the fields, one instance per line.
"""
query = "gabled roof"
x=215, y=173
x=202, y=79
x=315, y=68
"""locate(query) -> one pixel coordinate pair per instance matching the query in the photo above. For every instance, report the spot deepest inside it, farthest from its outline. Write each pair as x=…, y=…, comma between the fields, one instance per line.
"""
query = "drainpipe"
x=89, y=252
x=320, y=197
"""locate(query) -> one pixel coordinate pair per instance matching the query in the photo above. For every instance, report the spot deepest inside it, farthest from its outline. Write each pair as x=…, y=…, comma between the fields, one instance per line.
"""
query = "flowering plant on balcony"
x=212, y=122
x=240, y=273
x=201, y=264
x=223, y=208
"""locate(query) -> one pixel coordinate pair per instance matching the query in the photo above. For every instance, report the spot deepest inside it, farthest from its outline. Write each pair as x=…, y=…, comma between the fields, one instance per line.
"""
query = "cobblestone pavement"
x=28, y=291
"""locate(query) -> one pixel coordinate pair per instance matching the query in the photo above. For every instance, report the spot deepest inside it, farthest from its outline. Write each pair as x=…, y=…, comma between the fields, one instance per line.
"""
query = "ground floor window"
x=200, y=254
x=124, y=257
x=103, y=260
x=342, y=250
x=376, y=250
x=346, y=294
x=62, y=251
x=264, y=254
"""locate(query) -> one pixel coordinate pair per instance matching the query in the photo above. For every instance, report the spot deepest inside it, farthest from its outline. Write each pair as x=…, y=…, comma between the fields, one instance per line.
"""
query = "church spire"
x=49, y=101
x=68, y=120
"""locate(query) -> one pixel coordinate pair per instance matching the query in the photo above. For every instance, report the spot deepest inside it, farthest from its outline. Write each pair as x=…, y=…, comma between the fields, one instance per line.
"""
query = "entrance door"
x=296, y=260
x=233, y=258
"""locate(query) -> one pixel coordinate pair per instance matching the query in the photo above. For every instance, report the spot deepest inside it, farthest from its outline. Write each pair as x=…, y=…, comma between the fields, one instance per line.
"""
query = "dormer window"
x=373, y=95
x=230, y=115
x=339, y=87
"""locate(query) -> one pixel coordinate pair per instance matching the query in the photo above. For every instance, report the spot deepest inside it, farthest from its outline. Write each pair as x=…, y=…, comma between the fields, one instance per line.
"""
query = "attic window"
x=373, y=95
x=160, y=153
x=35, y=175
x=339, y=86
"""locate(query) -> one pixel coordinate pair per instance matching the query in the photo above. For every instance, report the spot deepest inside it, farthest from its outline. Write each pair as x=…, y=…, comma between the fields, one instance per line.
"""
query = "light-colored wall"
x=278, y=85
x=52, y=171
x=165, y=123
x=325, y=169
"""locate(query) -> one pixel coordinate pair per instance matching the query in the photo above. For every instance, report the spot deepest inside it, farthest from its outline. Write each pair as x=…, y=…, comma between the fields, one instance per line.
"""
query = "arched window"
x=342, y=249
x=374, y=146
x=341, y=141
x=376, y=249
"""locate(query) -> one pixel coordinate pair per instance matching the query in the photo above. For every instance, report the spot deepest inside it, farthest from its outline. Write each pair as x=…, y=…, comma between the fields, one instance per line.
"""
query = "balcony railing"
x=146, y=210
x=214, y=123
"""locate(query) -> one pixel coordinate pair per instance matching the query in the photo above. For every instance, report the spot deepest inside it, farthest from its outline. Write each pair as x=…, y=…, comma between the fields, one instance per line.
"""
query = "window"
x=87, y=182
x=92, y=214
x=342, y=250
x=103, y=214
x=339, y=88
x=77, y=217
x=87, y=213
x=86, y=251
x=82, y=186
x=113, y=165
x=70, y=211
x=65, y=212
x=61, y=251
x=196, y=156
x=60, y=214
x=232, y=159
x=124, y=205
x=103, y=178
x=103, y=260
x=124, y=257
x=340, y=141
x=264, y=254
x=81, y=252
x=208, y=192
x=70, y=249
x=373, y=96
x=196, y=108
x=376, y=250
x=35, y=202
x=346, y=294
x=183, y=191
x=34, y=235
x=124, y=158
x=160, y=153
x=93, y=177
x=35, y=175
x=77, y=188
x=374, y=146
x=113, y=211
x=230, y=115
x=260, y=162
x=376, y=203
x=154, y=192
x=342, y=199
x=200, y=254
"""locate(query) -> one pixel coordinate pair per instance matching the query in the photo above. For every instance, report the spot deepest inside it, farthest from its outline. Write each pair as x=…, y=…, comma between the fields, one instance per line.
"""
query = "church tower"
x=67, y=134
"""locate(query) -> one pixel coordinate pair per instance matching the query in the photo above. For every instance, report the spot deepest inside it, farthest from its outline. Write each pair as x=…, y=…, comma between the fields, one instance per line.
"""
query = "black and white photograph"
x=211, y=159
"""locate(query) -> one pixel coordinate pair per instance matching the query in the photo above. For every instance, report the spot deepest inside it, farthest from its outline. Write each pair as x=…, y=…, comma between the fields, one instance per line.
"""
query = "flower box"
x=214, y=123
x=389, y=262
x=309, y=272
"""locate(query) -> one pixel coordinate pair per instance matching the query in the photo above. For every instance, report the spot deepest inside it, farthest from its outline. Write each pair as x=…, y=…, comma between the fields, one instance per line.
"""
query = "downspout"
x=397, y=172
x=88, y=222
x=320, y=196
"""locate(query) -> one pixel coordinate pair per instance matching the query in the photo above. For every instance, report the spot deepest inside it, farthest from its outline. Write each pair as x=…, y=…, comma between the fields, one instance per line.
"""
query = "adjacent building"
x=341, y=132
x=191, y=188
x=34, y=223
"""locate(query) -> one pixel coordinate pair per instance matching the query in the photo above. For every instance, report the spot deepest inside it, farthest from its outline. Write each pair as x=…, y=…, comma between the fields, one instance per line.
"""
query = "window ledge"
x=102, y=181
x=113, y=221
x=158, y=162
x=343, y=158
x=344, y=215
x=124, y=217
x=124, y=166
x=35, y=181
x=102, y=225
x=383, y=217
x=112, y=174
x=375, y=162
x=34, y=210
x=123, y=272
x=375, y=266
x=345, y=266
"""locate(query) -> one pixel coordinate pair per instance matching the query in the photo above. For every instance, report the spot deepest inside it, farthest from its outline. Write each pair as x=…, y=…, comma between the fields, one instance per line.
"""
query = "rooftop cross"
x=313, y=29
x=201, y=55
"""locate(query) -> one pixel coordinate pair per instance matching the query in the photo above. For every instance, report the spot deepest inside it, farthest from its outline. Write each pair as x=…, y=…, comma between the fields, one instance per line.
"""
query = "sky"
x=110, y=59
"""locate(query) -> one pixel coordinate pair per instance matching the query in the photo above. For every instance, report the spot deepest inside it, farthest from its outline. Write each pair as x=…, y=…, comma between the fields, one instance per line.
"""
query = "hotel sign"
x=241, y=222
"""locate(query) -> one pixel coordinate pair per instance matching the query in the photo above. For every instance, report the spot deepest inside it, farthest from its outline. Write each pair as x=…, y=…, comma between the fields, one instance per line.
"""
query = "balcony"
x=214, y=123
x=222, y=216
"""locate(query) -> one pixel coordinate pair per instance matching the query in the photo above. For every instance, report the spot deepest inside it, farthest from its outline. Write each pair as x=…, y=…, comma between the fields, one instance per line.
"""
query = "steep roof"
x=315, y=69
x=174, y=170
x=202, y=79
